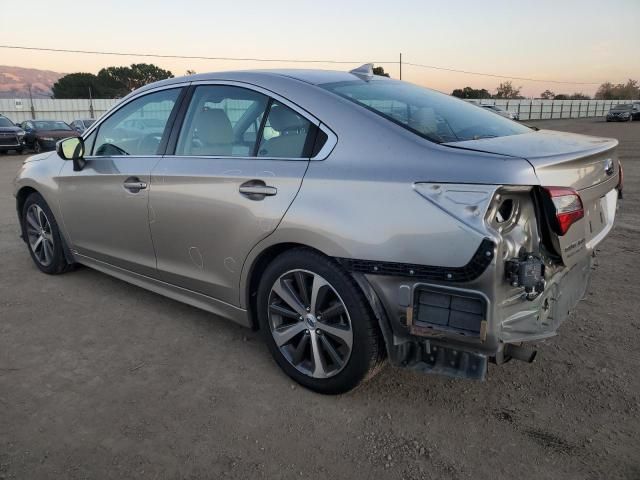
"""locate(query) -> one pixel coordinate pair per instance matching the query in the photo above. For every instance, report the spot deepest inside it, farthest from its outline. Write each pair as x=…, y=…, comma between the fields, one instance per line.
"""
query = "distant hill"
x=14, y=82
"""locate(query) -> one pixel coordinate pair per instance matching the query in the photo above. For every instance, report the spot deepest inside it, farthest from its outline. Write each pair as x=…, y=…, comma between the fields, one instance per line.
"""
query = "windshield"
x=51, y=125
x=432, y=115
x=5, y=122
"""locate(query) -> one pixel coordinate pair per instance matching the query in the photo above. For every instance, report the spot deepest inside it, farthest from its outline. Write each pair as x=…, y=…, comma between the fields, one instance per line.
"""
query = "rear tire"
x=328, y=355
x=43, y=236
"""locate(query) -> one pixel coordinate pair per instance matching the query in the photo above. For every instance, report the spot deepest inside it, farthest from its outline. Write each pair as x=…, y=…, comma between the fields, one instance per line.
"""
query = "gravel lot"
x=100, y=379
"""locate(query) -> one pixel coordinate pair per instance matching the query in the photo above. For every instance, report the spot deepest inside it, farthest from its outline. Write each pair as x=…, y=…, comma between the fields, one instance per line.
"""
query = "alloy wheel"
x=40, y=235
x=310, y=324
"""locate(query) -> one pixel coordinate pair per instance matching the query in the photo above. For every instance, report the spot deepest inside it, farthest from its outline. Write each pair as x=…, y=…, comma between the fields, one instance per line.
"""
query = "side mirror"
x=72, y=148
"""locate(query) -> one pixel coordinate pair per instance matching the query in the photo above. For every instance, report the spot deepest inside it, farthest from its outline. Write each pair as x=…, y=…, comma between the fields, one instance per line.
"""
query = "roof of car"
x=314, y=77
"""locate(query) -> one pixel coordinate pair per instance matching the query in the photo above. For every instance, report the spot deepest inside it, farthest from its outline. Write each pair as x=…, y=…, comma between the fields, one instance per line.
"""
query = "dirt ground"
x=100, y=379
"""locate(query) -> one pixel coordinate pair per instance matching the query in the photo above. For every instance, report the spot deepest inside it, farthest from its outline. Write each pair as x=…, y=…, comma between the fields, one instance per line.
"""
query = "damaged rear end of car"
x=531, y=268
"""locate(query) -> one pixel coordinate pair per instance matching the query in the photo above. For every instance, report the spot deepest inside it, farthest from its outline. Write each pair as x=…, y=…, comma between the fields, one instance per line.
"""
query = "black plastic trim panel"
x=472, y=270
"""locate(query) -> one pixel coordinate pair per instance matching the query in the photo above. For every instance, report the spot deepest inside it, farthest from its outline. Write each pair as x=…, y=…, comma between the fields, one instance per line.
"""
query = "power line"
x=498, y=76
x=290, y=60
x=188, y=57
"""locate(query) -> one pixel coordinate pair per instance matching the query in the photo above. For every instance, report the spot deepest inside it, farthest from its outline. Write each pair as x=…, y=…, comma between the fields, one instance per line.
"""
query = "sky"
x=562, y=40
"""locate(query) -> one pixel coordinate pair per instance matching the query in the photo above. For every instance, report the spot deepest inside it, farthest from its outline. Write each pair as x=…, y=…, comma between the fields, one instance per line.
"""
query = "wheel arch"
x=258, y=266
x=21, y=198
x=264, y=258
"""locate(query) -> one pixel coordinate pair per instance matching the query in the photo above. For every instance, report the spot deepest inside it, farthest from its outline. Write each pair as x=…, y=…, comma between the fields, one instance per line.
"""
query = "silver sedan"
x=351, y=218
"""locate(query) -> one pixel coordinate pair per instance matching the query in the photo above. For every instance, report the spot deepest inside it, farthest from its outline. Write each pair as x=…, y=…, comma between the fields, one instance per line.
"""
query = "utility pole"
x=90, y=103
x=33, y=110
x=400, y=66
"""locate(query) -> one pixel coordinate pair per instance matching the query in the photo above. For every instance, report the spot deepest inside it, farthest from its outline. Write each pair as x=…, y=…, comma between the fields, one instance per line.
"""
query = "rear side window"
x=432, y=115
x=138, y=127
x=286, y=134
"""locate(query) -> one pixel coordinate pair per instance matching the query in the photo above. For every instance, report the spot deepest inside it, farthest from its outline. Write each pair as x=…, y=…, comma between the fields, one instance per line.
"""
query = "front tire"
x=43, y=236
x=37, y=148
x=317, y=323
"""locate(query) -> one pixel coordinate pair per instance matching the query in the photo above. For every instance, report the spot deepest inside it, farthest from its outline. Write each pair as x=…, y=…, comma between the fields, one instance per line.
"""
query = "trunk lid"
x=587, y=164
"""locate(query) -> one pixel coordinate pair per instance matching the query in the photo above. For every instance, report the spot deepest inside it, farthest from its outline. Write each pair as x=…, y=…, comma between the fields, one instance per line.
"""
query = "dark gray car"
x=11, y=136
x=349, y=217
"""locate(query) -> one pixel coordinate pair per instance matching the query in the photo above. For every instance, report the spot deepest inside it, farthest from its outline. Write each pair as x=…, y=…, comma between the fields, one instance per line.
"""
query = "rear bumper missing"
x=457, y=330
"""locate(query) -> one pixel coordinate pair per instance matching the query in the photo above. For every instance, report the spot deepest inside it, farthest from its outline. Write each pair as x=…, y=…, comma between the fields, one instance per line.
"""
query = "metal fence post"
x=518, y=110
x=562, y=109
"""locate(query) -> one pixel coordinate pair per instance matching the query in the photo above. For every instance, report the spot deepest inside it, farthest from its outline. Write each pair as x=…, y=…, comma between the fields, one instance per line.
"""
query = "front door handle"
x=257, y=190
x=134, y=185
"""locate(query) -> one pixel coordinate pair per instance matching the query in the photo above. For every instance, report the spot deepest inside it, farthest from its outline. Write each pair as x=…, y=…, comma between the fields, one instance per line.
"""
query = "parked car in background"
x=81, y=125
x=349, y=217
x=42, y=135
x=501, y=112
x=11, y=136
x=624, y=112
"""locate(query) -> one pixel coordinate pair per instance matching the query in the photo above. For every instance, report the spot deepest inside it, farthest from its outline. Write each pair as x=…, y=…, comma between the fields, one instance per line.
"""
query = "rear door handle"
x=257, y=190
x=134, y=185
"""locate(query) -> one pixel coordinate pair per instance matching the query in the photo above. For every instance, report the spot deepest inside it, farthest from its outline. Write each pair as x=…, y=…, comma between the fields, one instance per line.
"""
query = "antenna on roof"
x=365, y=72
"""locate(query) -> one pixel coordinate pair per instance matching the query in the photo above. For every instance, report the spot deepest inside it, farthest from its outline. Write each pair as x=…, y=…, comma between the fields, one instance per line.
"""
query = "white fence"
x=547, y=109
x=21, y=109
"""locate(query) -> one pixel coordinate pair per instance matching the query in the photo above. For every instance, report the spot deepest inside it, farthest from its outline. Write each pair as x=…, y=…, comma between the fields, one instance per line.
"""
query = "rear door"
x=105, y=205
x=237, y=163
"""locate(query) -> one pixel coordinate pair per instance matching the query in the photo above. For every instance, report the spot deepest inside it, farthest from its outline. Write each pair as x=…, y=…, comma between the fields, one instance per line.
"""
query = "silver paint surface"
x=376, y=192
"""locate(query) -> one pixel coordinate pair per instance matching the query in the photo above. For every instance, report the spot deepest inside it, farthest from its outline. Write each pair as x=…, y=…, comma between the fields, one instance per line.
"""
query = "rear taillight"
x=567, y=205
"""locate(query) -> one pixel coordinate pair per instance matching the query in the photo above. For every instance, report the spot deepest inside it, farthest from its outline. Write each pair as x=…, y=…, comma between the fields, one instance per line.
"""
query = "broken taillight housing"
x=567, y=205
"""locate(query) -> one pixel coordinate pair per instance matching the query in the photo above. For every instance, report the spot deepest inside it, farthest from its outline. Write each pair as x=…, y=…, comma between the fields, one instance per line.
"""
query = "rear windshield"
x=622, y=107
x=432, y=115
x=88, y=123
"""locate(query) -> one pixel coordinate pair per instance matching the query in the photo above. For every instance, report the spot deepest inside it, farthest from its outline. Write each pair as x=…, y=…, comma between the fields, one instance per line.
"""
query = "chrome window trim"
x=325, y=151
x=332, y=138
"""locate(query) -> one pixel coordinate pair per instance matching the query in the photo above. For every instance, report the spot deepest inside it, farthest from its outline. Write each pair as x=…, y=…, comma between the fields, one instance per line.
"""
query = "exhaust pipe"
x=518, y=352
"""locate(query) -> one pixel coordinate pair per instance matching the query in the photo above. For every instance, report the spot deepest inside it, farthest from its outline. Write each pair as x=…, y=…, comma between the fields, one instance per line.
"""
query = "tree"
x=111, y=82
x=380, y=72
x=77, y=85
x=507, y=90
x=579, y=96
x=547, y=95
x=190, y=72
x=621, y=91
x=127, y=79
x=468, y=92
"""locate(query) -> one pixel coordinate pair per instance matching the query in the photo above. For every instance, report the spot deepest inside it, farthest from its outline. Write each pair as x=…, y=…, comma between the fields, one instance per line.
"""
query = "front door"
x=239, y=161
x=105, y=206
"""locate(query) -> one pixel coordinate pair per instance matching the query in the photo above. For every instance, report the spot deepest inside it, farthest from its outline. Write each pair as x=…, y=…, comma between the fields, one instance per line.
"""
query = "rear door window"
x=222, y=120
